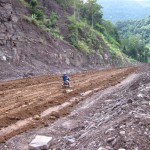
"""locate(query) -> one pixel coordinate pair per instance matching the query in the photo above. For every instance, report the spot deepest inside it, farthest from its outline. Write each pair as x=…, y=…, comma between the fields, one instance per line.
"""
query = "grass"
x=55, y=32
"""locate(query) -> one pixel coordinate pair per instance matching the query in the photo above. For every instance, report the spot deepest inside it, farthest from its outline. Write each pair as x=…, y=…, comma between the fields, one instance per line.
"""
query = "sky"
x=145, y=3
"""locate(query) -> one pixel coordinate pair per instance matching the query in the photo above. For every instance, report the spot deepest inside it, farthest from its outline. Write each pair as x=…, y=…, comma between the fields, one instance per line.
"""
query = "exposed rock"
x=25, y=47
x=40, y=143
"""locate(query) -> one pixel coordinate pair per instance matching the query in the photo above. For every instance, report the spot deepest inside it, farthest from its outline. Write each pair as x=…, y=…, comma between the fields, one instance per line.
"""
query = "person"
x=66, y=79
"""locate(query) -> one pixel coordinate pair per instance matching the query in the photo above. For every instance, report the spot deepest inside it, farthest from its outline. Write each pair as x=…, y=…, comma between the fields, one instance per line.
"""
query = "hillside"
x=31, y=46
x=119, y=10
x=136, y=33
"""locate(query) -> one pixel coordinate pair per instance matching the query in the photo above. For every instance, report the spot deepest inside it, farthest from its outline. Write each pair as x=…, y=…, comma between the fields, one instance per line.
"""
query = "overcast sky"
x=145, y=3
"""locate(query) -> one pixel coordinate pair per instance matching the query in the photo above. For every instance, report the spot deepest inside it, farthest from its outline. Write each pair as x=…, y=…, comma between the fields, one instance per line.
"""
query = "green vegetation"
x=33, y=4
x=65, y=3
x=83, y=37
x=135, y=35
x=87, y=29
x=46, y=23
x=88, y=32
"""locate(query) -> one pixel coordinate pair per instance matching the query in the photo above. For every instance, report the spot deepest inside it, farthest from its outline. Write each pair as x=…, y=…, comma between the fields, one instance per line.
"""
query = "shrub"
x=56, y=34
x=34, y=16
x=33, y=4
x=73, y=38
x=83, y=47
x=39, y=14
x=100, y=28
x=52, y=20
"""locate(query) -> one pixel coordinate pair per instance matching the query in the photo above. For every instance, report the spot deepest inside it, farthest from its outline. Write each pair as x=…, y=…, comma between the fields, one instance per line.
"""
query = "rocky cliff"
x=26, y=49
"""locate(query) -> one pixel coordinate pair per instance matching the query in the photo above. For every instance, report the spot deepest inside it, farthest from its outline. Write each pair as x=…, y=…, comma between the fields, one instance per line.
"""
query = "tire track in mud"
x=25, y=98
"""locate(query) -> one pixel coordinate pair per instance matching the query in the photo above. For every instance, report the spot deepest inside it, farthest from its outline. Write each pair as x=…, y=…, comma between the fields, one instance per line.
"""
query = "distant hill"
x=139, y=28
x=120, y=10
x=135, y=36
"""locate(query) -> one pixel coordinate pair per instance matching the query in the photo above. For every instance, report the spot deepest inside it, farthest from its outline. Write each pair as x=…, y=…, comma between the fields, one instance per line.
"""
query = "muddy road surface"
x=103, y=110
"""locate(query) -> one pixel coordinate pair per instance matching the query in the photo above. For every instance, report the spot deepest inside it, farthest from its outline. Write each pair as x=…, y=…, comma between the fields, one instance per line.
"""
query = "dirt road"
x=27, y=98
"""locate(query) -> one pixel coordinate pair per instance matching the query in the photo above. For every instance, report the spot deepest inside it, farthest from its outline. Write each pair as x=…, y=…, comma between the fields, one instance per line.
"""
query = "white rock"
x=102, y=148
x=4, y=58
x=71, y=140
x=106, y=148
x=122, y=132
x=121, y=149
x=140, y=95
x=40, y=142
x=123, y=126
x=136, y=148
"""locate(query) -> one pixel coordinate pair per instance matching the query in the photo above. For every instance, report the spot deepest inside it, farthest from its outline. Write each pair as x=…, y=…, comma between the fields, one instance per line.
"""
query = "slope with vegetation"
x=92, y=31
x=85, y=27
x=53, y=36
x=135, y=35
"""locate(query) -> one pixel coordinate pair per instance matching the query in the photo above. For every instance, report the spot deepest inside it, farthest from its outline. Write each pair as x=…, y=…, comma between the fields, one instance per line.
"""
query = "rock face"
x=26, y=49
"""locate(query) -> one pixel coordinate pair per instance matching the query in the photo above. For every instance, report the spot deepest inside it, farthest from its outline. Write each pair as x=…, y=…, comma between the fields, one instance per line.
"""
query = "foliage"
x=88, y=32
x=38, y=13
x=92, y=12
x=34, y=16
x=100, y=28
x=83, y=46
x=86, y=20
x=135, y=36
x=48, y=24
x=56, y=33
x=135, y=48
x=82, y=35
x=33, y=4
x=111, y=31
x=65, y=3
x=52, y=20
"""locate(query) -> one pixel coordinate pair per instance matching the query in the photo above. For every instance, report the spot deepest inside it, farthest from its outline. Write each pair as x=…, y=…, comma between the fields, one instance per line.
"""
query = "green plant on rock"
x=52, y=20
x=33, y=4
x=82, y=46
x=39, y=14
x=73, y=38
x=100, y=28
x=56, y=34
x=34, y=16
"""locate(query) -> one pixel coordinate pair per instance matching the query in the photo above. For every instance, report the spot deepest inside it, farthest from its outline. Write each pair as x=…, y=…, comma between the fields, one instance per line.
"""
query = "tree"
x=92, y=12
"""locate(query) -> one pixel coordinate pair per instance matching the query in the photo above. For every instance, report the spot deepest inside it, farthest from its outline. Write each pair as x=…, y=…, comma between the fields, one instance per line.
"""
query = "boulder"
x=40, y=142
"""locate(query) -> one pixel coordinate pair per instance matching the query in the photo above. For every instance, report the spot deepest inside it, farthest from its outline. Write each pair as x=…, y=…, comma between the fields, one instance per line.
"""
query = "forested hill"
x=135, y=35
x=121, y=10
